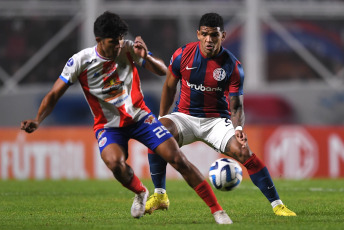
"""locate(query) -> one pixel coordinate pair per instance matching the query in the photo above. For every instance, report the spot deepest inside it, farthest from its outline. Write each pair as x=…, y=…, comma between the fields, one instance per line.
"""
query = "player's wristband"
x=144, y=61
x=159, y=117
x=238, y=128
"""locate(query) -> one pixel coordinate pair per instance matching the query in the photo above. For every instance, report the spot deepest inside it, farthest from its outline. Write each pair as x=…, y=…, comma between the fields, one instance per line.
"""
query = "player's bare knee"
x=114, y=164
x=235, y=150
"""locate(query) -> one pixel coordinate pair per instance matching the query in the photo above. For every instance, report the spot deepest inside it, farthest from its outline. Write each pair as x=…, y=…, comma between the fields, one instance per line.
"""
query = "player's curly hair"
x=109, y=25
x=211, y=20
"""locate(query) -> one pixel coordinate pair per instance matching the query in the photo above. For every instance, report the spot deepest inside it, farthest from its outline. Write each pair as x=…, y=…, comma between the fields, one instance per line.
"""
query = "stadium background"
x=292, y=53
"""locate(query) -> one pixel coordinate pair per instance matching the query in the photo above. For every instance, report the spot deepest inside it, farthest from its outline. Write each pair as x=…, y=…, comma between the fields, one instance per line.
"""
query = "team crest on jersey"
x=150, y=120
x=219, y=74
x=70, y=62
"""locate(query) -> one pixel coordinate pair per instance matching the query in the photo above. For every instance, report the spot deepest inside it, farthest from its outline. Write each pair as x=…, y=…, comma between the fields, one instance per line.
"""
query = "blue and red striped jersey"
x=206, y=83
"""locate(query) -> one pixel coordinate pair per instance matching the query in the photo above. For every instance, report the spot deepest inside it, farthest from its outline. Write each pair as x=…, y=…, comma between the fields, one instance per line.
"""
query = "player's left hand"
x=241, y=138
x=140, y=47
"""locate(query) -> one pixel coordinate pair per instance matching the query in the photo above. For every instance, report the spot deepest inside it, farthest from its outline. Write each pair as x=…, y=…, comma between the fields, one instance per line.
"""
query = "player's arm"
x=237, y=110
x=47, y=105
x=238, y=118
x=153, y=64
x=168, y=93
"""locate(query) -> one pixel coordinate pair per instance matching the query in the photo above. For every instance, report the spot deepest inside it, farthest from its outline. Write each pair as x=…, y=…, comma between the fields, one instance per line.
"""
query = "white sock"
x=275, y=203
x=160, y=191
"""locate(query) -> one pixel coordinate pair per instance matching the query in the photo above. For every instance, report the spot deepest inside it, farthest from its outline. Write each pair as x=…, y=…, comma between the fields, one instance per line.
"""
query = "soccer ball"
x=225, y=174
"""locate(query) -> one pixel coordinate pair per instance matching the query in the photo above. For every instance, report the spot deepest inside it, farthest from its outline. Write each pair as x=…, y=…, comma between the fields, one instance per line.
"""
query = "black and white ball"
x=225, y=174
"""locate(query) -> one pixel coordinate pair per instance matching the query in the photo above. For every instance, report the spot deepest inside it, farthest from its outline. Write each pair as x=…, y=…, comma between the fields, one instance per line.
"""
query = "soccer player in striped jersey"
x=209, y=109
x=111, y=85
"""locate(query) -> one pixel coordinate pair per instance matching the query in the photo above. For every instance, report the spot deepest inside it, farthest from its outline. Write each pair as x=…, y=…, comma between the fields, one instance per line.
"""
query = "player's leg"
x=156, y=137
x=159, y=199
x=157, y=165
x=171, y=153
x=114, y=156
x=258, y=173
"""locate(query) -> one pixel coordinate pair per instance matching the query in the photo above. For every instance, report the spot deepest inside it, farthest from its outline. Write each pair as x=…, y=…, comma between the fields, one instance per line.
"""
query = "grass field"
x=94, y=204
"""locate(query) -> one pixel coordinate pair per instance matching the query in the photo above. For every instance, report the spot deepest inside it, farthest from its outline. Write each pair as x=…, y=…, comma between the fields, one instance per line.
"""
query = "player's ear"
x=223, y=35
x=198, y=35
x=98, y=39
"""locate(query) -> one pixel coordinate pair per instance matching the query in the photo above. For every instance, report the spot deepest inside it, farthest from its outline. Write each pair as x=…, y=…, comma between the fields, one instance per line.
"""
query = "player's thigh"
x=186, y=127
x=113, y=145
x=150, y=132
x=171, y=127
x=216, y=132
x=114, y=155
x=170, y=152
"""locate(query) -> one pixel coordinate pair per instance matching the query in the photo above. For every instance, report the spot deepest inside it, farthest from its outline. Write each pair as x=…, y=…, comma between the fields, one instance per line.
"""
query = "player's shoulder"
x=192, y=44
x=85, y=54
x=186, y=48
x=230, y=55
x=83, y=58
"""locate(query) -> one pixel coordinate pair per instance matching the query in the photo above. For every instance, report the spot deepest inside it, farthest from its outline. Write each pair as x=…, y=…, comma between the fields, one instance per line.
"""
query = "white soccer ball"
x=225, y=174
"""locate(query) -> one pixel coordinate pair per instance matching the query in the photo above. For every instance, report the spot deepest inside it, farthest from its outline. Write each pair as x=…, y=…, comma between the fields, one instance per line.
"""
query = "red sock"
x=253, y=164
x=206, y=193
x=135, y=185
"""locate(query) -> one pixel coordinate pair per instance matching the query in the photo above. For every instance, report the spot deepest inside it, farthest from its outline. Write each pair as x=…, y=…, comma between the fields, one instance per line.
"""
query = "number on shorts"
x=228, y=122
x=160, y=131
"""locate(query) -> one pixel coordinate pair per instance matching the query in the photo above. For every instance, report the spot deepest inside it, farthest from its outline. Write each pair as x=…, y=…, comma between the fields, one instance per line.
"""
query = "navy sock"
x=157, y=167
x=260, y=176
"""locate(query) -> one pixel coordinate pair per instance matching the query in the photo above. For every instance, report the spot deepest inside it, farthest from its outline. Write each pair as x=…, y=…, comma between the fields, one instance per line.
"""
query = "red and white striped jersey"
x=111, y=88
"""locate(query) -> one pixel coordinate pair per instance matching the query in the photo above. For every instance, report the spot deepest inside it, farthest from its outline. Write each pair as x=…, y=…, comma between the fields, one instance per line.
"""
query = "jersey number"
x=160, y=131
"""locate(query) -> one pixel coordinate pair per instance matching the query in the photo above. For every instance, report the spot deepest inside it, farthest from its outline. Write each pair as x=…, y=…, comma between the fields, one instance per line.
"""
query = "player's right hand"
x=29, y=125
x=241, y=138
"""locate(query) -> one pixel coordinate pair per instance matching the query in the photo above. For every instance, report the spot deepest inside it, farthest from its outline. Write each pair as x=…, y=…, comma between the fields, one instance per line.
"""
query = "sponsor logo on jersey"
x=112, y=87
x=219, y=74
x=102, y=142
x=150, y=119
x=70, y=62
x=202, y=88
x=90, y=62
x=190, y=68
x=100, y=134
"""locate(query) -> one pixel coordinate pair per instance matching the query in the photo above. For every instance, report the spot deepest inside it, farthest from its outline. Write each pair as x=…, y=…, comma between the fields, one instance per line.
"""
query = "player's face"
x=110, y=47
x=211, y=39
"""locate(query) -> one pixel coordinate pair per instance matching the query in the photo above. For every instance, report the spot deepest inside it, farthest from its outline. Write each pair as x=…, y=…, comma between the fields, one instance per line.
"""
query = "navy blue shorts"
x=149, y=131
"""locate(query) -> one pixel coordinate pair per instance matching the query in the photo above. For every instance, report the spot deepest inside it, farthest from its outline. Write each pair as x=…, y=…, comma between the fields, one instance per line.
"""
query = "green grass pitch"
x=105, y=204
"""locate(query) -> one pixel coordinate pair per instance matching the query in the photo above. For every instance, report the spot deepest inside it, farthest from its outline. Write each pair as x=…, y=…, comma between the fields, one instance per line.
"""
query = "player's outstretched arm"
x=153, y=64
x=47, y=105
x=168, y=93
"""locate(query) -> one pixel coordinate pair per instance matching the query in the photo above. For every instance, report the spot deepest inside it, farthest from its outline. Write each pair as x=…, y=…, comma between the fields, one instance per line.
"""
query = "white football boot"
x=138, y=207
x=221, y=217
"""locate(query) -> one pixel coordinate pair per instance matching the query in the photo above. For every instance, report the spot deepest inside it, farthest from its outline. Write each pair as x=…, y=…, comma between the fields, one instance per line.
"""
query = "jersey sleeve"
x=236, y=84
x=175, y=61
x=71, y=70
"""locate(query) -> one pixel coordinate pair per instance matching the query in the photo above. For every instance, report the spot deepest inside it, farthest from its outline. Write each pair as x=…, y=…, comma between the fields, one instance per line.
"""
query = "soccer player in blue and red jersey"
x=209, y=109
x=111, y=85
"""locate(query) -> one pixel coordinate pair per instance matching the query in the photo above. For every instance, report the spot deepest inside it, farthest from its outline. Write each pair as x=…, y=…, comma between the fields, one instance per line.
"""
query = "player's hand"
x=241, y=138
x=29, y=125
x=140, y=47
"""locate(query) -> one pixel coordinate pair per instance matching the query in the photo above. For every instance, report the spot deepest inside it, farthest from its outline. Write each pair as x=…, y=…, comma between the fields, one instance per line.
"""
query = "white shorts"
x=214, y=131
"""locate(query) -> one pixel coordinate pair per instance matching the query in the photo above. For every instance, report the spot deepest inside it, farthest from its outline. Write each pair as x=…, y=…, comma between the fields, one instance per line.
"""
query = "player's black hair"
x=211, y=20
x=109, y=25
